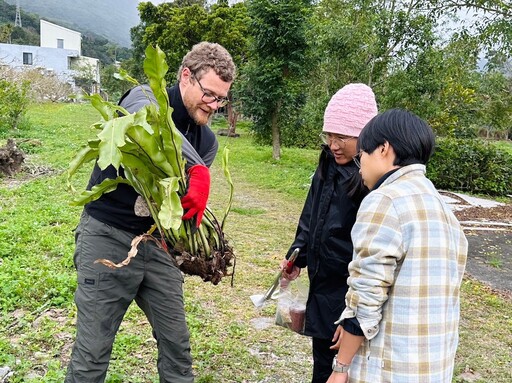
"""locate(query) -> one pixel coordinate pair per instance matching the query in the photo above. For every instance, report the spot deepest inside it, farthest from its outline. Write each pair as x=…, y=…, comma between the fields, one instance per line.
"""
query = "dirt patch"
x=477, y=213
x=28, y=172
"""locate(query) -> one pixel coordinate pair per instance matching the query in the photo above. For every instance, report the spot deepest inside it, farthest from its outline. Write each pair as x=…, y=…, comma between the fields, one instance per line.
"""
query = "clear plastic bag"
x=291, y=304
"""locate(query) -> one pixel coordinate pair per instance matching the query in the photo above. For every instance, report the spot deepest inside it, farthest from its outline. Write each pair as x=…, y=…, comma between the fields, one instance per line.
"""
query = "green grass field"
x=230, y=342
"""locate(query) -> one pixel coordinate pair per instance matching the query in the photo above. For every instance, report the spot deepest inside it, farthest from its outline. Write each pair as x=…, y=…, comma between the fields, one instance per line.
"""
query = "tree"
x=113, y=87
x=495, y=100
x=274, y=74
x=45, y=85
x=13, y=99
x=173, y=27
x=228, y=26
x=85, y=77
x=489, y=21
x=397, y=48
x=438, y=85
x=360, y=41
x=5, y=33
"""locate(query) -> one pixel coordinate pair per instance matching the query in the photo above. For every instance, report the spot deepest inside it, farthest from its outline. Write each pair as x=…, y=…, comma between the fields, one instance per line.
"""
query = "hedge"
x=471, y=165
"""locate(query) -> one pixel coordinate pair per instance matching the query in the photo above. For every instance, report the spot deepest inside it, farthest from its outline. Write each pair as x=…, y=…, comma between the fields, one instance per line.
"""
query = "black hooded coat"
x=323, y=235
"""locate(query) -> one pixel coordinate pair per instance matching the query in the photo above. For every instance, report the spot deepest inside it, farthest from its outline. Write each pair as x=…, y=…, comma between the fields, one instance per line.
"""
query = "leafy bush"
x=473, y=165
x=13, y=103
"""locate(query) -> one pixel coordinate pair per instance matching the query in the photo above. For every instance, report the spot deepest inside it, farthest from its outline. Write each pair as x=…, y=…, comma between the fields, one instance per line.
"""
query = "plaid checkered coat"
x=409, y=259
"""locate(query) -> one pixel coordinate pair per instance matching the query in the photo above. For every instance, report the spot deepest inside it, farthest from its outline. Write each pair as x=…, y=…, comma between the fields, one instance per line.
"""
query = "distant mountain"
x=111, y=19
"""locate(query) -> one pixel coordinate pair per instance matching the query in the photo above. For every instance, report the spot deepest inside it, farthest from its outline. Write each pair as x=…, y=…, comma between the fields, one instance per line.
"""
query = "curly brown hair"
x=204, y=56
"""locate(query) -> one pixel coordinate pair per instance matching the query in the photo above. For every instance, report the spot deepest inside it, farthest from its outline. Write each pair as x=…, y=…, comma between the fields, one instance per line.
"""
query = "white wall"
x=53, y=59
x=64, y=62
x=51, y=33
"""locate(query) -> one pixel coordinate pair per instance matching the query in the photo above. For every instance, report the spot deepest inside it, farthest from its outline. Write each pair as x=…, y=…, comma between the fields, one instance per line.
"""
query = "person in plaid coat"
x=402, y=307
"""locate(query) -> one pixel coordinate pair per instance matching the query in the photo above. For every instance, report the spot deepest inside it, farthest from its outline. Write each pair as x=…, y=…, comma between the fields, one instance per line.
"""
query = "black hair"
x=411, y=137
x=354, y=187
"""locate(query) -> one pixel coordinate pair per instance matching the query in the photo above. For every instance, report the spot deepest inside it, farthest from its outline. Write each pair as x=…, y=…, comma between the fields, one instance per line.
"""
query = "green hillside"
x=110, y=19
x=93, y=45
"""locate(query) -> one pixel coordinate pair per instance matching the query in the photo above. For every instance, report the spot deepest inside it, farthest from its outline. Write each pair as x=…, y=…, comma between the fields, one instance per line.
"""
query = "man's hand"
x=194, y=202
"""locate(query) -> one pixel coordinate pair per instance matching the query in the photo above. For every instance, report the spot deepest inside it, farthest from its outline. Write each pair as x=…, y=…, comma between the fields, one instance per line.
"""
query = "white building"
x=55, y=36
x=59, y=52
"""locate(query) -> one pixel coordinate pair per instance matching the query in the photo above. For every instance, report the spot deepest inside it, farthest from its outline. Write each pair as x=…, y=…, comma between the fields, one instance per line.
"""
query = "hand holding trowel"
x=259, y=299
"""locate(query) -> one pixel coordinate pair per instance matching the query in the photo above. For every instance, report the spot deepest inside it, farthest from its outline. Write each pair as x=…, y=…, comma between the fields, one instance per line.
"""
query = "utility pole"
x=17, y=22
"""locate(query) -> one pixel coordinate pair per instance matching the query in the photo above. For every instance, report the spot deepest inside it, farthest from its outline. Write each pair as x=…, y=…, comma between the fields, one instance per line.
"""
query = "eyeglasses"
x=357, y=158
x=329, y=139
x=208, y=98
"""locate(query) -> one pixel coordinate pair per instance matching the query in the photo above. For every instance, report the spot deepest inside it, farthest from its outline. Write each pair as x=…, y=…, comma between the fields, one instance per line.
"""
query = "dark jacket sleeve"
x=209, y=157
x=302, y=234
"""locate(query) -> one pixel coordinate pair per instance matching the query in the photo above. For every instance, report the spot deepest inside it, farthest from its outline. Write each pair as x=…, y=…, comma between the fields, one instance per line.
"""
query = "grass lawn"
x=231, y=340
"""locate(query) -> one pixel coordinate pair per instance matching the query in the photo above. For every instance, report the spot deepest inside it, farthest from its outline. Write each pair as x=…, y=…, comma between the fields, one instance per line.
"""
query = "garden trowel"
x=259, y=299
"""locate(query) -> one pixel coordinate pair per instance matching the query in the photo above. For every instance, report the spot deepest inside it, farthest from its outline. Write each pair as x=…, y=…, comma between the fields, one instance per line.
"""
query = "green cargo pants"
x=103, y=295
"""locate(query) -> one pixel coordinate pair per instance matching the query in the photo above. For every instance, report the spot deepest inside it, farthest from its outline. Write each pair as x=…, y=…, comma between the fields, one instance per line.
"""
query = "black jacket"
x=117, y=208
x=323, y=235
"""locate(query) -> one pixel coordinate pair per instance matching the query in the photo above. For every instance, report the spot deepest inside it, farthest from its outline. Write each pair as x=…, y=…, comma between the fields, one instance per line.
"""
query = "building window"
x=27, y=58
x=60, y=43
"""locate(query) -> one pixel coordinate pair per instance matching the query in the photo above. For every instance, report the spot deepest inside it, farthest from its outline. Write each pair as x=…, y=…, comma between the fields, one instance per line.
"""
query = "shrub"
x=471, y=165
x=13, y=103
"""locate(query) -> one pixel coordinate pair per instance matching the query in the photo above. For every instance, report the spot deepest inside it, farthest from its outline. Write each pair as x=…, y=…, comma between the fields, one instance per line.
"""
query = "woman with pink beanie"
x=323, y=231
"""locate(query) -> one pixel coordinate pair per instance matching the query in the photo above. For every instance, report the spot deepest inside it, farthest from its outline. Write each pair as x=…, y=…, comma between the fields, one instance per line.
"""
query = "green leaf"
x=155, y=68
x=171, y=210
x=107, y=109
x=85, y=155
x=149, y=145
x=123, y=75
x=171, y=139
x=227, y=174
x=97, y=191
x=141, y=118
x=112, y=137
x=142, y=178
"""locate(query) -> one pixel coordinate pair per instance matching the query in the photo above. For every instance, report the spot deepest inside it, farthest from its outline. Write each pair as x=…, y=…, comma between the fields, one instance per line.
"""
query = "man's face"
x=197, y=92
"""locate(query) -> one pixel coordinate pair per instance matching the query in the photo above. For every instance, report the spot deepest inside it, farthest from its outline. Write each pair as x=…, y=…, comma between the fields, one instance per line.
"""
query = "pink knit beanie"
x=349, y=110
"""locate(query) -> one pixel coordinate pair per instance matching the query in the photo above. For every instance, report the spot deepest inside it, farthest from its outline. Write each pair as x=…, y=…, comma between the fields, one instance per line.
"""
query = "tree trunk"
x=276, y=138
x=232, y=119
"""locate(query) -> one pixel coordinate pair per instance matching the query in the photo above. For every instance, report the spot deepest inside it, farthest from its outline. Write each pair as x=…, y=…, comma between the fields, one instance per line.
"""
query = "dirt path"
x=488, y=228
x=490, y=259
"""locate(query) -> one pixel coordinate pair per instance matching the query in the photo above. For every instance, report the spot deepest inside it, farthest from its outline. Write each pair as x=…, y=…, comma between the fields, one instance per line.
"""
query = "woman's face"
x=342, y=147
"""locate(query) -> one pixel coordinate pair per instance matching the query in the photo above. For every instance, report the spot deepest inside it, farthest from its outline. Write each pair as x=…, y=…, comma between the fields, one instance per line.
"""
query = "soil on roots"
x=212, y=269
